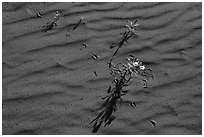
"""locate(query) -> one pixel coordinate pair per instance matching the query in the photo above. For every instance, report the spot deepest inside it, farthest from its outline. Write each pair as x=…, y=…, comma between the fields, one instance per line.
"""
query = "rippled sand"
x=49, y=85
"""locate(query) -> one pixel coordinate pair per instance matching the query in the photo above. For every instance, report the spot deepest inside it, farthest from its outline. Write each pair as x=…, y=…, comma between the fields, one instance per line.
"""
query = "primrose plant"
x=122, y=76
x=130, y=30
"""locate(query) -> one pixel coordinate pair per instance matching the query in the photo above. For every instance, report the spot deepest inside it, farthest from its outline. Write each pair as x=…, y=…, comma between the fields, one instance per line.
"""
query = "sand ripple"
x=49, y=85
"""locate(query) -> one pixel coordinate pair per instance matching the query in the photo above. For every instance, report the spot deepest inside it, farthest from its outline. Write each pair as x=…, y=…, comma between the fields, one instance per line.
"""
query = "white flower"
x=135, y=63
x=142, y=67
x=132, y=27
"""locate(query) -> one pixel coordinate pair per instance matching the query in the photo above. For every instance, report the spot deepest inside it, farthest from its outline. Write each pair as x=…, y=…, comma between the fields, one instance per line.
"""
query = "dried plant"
x=122, y=76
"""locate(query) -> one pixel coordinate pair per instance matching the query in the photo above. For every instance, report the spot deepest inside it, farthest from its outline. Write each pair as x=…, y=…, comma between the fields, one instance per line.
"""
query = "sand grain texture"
x=49, y=85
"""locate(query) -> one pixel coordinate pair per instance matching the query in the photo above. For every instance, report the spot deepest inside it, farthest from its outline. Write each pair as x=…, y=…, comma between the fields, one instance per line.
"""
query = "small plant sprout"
x=122, y=76
x=51, y=25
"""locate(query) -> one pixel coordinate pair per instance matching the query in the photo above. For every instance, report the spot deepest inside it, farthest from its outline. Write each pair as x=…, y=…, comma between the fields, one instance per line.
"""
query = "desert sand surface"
x=48, y=79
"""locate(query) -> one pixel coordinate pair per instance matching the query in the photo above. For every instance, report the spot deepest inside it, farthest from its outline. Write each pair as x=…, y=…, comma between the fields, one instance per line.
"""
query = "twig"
x=94, y=56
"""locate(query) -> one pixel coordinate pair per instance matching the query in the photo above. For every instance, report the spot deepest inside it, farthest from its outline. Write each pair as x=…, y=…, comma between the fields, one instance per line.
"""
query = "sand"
x=49, y=85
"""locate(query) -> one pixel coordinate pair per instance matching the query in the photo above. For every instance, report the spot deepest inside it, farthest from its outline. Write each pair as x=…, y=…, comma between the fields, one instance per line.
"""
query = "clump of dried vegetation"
x=122, y=77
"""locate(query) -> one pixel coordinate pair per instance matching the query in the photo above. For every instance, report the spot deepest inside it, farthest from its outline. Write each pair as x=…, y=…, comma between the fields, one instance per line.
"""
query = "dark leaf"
x=96, y=127
x=153, y=123
x=125, y=91
x=109, y=89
